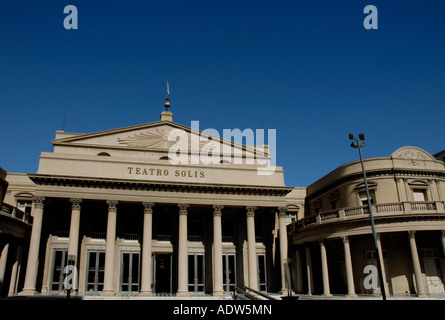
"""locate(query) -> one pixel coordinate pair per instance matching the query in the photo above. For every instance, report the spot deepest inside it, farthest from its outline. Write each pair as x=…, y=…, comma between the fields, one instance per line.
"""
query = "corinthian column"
x=146, y=272
x=182, y=252
x=251, y=246
x=217, y=251
x=283, y=245
x=73, y=243
x=110, y=247
x=29, y=287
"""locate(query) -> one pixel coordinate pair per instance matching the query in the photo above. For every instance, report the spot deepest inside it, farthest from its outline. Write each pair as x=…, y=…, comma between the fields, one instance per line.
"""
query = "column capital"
x=321, y=242
x=183, y=208
x=217, y=210
x=112, y=205
x=282, y=211
x=411, y=234
x=345, y=239
x=251, y=211
x=148, y=207
x=442, y=235
x=38, y=202
x=75, y=203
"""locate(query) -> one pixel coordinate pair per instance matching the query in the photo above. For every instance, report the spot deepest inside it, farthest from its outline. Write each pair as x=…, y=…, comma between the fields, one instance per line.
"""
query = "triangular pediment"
x=155, y=136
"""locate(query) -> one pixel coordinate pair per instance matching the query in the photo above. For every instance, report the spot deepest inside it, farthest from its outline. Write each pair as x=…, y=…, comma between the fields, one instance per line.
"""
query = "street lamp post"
x=359, y=143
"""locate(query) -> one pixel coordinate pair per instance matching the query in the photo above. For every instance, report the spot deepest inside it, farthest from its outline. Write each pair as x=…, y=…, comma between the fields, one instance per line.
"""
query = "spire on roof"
x=167, y=115
x=167, y=100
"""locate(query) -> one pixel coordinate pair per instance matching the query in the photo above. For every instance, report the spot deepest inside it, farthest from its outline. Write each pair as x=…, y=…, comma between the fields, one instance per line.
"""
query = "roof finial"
x=167, y=100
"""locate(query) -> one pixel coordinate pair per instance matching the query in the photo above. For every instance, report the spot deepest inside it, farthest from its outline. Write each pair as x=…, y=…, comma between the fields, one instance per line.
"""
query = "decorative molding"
x=183, y=208
x=75, y=204
x=282, y=211
x=153, y=138
x=112, y=205
x=217, y=210
x=412, y=153
x=148, y=207
x=251, y=211
x=38, y=202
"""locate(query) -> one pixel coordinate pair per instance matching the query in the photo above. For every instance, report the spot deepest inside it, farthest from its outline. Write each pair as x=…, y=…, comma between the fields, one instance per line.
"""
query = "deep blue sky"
x=308, y=69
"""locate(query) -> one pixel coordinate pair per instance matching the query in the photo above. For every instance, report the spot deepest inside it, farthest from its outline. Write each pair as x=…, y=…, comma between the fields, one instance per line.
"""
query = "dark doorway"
x=163, y=273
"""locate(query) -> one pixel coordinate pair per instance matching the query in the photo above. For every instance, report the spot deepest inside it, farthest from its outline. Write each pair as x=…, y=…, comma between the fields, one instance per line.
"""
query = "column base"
x=146, y=294
x=218, y=293
x=327, y=294
x=352, y=295
x=27, y=292
x=183, y=294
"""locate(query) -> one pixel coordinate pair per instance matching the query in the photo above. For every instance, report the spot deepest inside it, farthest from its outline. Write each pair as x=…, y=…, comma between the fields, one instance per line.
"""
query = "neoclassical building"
x=133, y=222
x=332, y=242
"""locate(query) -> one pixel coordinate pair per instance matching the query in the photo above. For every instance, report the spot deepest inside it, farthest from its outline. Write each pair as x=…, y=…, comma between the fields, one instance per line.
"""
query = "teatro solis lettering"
x=166, y=172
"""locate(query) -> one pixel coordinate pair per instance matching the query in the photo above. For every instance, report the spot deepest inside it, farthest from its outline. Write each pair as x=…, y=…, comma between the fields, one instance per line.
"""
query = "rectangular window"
x=262, y=278
x=96, y=271
x=24, y=205
x=364, y=197
x=59, y=263
x=229, y=272
x=196, y=272
x=291, y=218
x=130, y=271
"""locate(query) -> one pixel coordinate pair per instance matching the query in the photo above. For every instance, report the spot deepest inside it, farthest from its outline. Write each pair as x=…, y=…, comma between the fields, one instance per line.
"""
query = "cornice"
x=91, y=182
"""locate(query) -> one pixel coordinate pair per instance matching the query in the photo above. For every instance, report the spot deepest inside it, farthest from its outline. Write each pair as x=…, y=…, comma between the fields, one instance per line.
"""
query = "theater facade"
x=133, y=222
x=163, y=209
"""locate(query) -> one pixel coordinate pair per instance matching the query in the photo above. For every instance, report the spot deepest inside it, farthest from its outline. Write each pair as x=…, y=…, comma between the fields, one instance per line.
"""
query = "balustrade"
x=410, y=207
